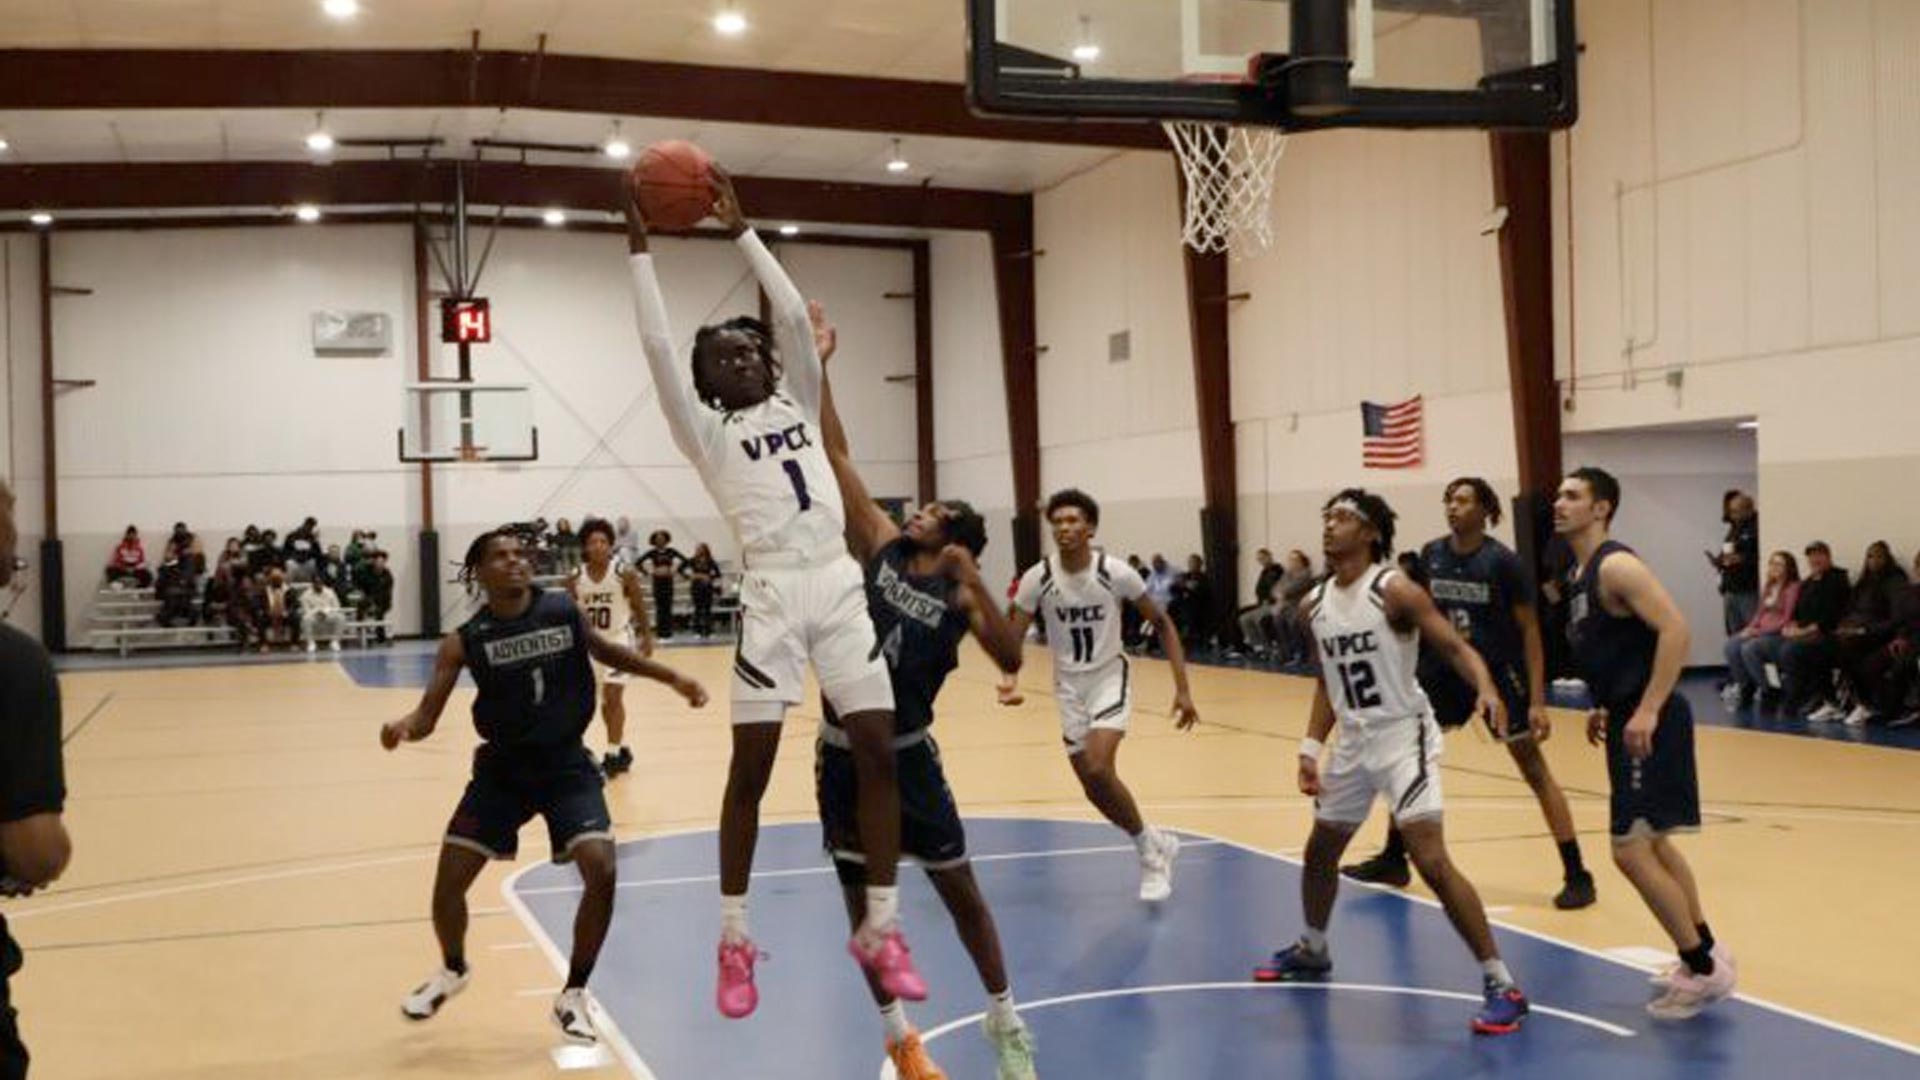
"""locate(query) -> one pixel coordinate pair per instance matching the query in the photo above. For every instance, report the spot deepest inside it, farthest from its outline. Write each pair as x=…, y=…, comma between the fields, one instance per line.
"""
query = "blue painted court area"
x=1114, y=989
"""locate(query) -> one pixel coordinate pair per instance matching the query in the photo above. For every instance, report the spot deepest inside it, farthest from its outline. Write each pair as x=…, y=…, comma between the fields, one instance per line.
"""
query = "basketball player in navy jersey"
x=1629, y=643
x=1366, y=622
x=925, y=594
x=607, y=589
x=1479, y=584
x=530, y=652
x=748, y=422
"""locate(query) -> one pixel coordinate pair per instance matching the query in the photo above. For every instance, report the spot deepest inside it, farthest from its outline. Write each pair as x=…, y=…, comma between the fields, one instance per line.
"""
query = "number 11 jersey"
x=1369, y=667
x=1082, y=611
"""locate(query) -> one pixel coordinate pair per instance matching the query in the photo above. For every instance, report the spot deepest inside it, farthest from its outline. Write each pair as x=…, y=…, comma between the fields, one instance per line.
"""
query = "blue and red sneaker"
x=1506, y=1006
x=1293, y=964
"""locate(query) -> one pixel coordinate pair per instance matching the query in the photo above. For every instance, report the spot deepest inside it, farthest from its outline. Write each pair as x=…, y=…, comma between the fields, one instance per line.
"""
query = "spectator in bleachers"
x=173, y=587
x=1159, y=580
x=1738, y=561
x=266, y=554
x=1294, y=586
x=129, y=561
x=1746, y=670
x=376, y=591
x=1863, y=631
x=275, y=610
x=302, y=551
x=250, y=545
x=566, y=547
x=1888, y=677
x=1804, y=658
x=359, y=551
x=1192, y=608
x=662, y=563
x=626, y=543
x=179, y=542
x=321, y=617
x=1130, y=636
x=703, y=571
x=331, y=568
x=1253, y=619
x=243, y=605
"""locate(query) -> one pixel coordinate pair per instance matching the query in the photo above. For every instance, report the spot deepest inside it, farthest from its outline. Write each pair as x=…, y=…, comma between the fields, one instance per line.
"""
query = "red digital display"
x=466, y=322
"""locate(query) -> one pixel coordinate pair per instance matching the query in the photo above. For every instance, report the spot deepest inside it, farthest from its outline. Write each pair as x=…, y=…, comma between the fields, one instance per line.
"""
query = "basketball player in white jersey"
x=749, y=421
x=1080, y=590
x=1365, y=621
x=608, y=592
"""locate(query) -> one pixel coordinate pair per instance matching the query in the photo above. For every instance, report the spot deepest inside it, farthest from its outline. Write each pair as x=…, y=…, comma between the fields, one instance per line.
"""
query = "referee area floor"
x=250, y=888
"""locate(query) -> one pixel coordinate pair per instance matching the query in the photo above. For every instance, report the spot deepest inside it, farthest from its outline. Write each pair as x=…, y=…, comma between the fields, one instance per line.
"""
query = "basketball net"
x=1229, y=171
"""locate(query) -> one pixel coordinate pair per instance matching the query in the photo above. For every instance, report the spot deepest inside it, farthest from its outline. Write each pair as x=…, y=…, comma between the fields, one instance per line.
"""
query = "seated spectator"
x=1130, y=636
x=1801, y=656
x=266, y=554
x=250, y=545
x=173, y=587
x=302, y=551
x=331, y=568
x=1863, y=631
x=1256, y=619
x=1192, y=608
x=1159, y=579
x=243, y=605
x=321, y=617
x=129, y=561
x=626, y=543
x=566, y=547
x=1746, y=670
x=275, y=610
x=375, y=585
x=179, y=542
x=1888, y=677
x=1294, y=645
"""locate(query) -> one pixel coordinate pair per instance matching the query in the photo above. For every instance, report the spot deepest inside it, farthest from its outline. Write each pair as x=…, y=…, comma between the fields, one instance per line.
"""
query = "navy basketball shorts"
x=1454, y=698
x=1660, y=794
x=930, y=829
x=508, y=790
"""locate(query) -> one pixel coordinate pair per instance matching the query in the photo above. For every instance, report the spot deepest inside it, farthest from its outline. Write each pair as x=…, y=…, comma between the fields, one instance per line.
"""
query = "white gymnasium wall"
x=211, y=408
x=1125, y=432
x=20, y=357
x=1671, y=483
x=971, y=446
x=1744, y=201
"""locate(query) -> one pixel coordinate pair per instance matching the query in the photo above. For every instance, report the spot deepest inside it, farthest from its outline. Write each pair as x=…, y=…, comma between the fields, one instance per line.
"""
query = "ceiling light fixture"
x=730, y=22
x=616, y=146
x=4, y=145
x=789, y=230
x=307, y=212
x=555, y=217
x=1748, y=425
x=319, y=140
x=1086, y=51
x=897, y=163
x=40, y=218
x=340, y=9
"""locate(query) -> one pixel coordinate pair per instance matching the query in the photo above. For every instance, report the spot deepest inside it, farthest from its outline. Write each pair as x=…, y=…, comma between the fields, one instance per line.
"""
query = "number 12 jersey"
x=1369, y=666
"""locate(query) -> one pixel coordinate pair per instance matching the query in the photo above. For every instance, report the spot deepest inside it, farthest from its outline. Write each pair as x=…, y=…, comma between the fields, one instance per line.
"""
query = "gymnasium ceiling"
x=918, y=40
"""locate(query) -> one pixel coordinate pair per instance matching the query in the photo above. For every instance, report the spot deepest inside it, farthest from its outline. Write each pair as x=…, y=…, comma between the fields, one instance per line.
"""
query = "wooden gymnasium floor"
x=249, y=892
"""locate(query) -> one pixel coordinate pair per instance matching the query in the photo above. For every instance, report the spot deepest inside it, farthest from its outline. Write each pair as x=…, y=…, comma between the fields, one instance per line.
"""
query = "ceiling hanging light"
x=340, y=9
x=616, y=146
x=307, y=212
x=319, y=140
x=896, y=163
x=40, y=218
x=4, y=144
x=730, y=22
x=1086, y=50
x=789, y=230
x=555, y=217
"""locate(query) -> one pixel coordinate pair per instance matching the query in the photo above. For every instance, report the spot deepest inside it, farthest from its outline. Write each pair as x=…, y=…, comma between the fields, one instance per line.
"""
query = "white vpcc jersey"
x=1369, y=667
x=604, y=601
x=769, y=474
x=1082, y=610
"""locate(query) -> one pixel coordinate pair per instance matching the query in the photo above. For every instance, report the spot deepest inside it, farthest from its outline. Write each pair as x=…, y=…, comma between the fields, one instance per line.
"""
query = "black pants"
x=13, y=1052
x=703, y=608
x=663, y=606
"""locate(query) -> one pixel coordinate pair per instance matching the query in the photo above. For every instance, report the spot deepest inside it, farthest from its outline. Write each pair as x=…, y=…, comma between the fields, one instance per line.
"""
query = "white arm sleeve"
x=691, y=423
x=792, y=331
x=1027, y=597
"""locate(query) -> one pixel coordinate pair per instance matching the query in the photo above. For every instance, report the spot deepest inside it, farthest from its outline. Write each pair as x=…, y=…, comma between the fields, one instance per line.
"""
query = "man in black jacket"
x=1802, y=655
x=1739, y=562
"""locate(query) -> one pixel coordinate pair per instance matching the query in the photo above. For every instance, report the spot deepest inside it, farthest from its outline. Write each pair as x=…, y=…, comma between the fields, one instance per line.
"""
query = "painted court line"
x=811, y=871
x=223, y=883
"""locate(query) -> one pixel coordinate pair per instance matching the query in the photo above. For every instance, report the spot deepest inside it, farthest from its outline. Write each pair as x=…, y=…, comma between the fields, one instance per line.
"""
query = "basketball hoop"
x=1229, y=172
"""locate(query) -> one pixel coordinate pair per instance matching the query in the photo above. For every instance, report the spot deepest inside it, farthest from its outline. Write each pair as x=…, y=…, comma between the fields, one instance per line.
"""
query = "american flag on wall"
x=1391, y=435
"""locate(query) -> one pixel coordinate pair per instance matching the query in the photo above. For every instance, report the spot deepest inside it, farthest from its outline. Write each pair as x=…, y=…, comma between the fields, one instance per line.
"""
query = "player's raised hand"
x=958, y=563
x=826, y=339
x=690, y=689
x=726, y=202
x=1596, y=727
x=1184, y=714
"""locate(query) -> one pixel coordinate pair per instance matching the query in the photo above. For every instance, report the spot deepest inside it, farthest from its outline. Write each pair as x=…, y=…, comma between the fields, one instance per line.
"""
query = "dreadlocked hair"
x=1483, y=494
x=477, y=554
x=703, y=387
x=1378, y=514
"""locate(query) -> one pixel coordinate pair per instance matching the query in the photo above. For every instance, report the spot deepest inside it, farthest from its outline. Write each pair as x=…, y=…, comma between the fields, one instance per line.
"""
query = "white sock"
x=1143, y=840
x=1496, y=970
x=733, y=918
x=1000, y=1011
x=883, y=907
x=894, y=1016
x=1314, y=940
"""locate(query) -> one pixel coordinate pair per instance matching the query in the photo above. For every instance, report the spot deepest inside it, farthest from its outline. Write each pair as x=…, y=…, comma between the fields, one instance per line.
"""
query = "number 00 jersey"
x=605, y=601
x=1082, y=610
x=1369, y=666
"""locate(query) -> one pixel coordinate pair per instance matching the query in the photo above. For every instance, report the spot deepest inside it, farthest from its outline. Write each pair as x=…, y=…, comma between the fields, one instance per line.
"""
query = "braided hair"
x=1377, y=514
x=703, y=387
x=1483, y=494
x=476, y=554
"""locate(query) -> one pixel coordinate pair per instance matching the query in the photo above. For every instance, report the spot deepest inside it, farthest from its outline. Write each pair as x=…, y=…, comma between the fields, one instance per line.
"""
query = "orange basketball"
x=674, y=180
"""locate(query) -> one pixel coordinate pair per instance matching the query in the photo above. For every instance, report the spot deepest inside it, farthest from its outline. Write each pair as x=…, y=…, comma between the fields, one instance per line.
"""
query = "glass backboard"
x=468, y=422
x=1290, y=63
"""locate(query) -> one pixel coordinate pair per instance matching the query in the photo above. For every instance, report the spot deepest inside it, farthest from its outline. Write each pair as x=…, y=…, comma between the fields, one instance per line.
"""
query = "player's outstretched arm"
x=868, y=527
x=799, y=358
x=1410, y=605
x=993, y=630
x=1185, y=715
x=420, y=723
x=616, y=655
x=692, y=428
x=1625, y=578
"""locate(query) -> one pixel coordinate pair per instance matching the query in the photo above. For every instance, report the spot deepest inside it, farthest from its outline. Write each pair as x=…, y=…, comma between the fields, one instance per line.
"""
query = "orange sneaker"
x=910, y=1060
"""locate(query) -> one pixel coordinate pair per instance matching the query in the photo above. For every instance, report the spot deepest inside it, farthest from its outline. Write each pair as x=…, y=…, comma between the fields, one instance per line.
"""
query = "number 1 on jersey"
x=539, y=685
x=799, y=483
x=1082, y=637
